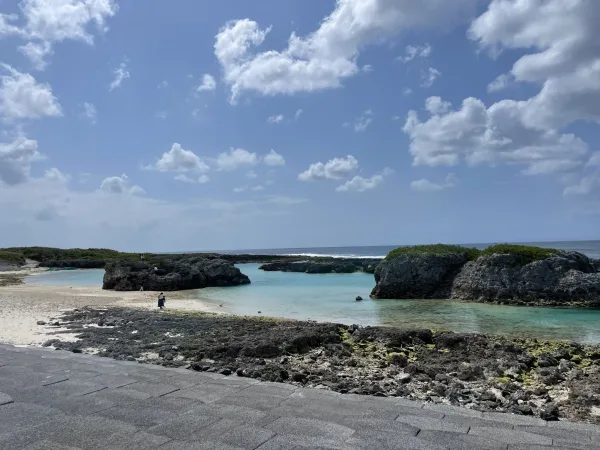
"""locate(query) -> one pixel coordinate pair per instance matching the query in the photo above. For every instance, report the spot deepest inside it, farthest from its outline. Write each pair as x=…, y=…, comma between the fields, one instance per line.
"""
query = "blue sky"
x=182, y=126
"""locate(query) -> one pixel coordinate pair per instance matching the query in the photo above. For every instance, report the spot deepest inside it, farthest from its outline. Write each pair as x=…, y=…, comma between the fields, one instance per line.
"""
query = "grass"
x=58, y=254
x=12, y=257
x=528, y=253
x=435, y=249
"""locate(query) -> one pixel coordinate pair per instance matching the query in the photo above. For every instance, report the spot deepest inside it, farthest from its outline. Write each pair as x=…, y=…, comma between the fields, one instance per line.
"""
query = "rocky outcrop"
x=417, y=276
x=563, y=278
x=325, y=265
x=193, y=273
x=596, y=264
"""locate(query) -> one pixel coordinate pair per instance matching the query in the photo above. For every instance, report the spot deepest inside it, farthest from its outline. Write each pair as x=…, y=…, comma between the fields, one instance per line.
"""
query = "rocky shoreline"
x=550, y=380
x=322, y=265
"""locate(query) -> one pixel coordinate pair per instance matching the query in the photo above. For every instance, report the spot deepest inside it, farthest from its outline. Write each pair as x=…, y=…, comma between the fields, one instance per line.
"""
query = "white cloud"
x=367, y=68
x=15, y=160
x=37, y=52
x=162, y=115
x=360, y=184
x=180, y=160
x=298, y=114
x=121, y=73
x=251, y=174
x=240, y=189
x=436, y=106
x=22, y=97
x=361, y=123
x=495, y=135
x=236, y=157
x=90, y=112
x=120, y=185
x=275, y=119
x=324, y=58
x=208, y=83
x=274, y=159
x=334, y=169
x=258, y=188
x=501, y=82
x=563, y=55
x=407, y=91
x=163, y=84
x=188, y=179
x=415, y=51
x=56, y=175
x=424, y=185
x=429, y=76
x=46, y=22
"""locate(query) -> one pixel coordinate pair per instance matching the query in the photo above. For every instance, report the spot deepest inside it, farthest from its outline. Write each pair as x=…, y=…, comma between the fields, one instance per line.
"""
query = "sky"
x=187, y=125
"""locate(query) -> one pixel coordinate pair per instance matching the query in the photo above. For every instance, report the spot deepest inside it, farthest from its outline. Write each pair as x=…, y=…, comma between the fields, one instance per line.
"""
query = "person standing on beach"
x=161, y=301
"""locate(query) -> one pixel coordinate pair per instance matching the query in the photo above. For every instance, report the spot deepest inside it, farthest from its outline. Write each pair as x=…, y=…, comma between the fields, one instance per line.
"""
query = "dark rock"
x=417, y=276
x=549, y=412
x=470, y=372
x=298, y=377
x=41, y=322
x=56, y=324
x=192, y=273
x=321, y=265
x=226, y=372
x=359, y=298
x=399, y=360
x=563, y=278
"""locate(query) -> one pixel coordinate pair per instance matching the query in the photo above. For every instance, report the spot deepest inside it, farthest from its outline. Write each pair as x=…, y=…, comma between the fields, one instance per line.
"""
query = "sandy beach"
x=23, y=306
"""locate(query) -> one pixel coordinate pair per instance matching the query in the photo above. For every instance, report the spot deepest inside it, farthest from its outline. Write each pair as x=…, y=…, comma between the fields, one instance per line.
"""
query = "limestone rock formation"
x=417, y=276
x=324, y=265
x=563, y=278
x=193, y=273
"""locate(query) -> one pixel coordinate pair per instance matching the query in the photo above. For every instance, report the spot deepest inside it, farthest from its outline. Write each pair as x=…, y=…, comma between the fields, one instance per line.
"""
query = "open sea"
x=331, y=297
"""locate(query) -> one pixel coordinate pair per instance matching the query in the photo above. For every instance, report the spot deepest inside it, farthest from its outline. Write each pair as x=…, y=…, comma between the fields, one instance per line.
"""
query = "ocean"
x=331, y=297
x=589, y=248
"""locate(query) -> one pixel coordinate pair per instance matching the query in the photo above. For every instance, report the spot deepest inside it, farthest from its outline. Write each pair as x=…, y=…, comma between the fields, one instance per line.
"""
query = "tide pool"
x=331, y=297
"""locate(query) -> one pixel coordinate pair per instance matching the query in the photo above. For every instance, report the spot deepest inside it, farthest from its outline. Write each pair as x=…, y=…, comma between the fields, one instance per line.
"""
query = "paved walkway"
x=53, y=400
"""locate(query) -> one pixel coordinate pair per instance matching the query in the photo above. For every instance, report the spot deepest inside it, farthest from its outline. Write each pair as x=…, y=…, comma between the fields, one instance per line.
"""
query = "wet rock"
x=41, y=322
x=359, y=298
x=225, y=372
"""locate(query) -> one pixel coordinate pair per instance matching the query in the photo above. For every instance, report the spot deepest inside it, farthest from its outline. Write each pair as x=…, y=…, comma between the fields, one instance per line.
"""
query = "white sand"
x=21, y=307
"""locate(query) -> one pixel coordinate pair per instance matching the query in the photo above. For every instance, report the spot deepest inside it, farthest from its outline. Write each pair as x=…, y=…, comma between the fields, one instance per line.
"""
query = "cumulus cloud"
x=334, y=169
x=501, y=82
x=258, y=188
x=424, y=185
x=22, y=97
x=275, y=119
x=561, y=41
x=208, y=83
x=180, y=160
x=236, y=157
x=121, y=73
x=46, y=22
x=415, y=51
x=436, y=106
x=274, y=159
x=120, y=185
x=298, y=114
x=16, y=158
x=56, y=175
x=492, y=136
x=360, y=184
x=324, y=58
x=202, y=179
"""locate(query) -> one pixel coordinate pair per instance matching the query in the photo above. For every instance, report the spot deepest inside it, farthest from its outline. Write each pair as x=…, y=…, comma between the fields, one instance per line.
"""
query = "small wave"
x=321, y=255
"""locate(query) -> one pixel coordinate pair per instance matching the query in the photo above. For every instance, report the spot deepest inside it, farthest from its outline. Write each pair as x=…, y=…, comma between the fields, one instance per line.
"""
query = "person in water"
x=161, y=301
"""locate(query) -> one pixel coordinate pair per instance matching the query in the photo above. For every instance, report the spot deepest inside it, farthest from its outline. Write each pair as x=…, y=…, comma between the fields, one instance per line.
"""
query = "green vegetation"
x=59, y=254
x=435, y=249
x=12, y=257
x=527, y=252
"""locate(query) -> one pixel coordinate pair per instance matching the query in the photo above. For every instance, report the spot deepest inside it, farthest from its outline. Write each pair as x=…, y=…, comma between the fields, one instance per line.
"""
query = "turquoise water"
x=331, y=297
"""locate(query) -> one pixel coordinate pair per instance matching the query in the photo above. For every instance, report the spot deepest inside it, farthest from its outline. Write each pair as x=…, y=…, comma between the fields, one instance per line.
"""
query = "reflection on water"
x=332, y=298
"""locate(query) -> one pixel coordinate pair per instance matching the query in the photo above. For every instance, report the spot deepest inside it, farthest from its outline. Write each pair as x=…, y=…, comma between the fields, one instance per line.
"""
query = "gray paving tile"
x=73, y=405
x=309, y=427
x=47, y=445
x=184, y=425
x=114, y=381
x=152, y=388
x=450, y=409
x=511, y=436
x=575, y=426
x=475, y=422
x=271, y=389
x=292, y=442
x=257, y=401
x=75, y=387
x=432, y=423
x=120, y=396
x=233, y=432
x=20, y=415
x=459, y=441
x=206, y=445
x=137, y=441
x=558, y=434
x=239, y=413
x=391, y=441
x=177, y=405
x=514, y=419
x=5, y=399
x=136, y=415
x=549, y=447
x=206, y=393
